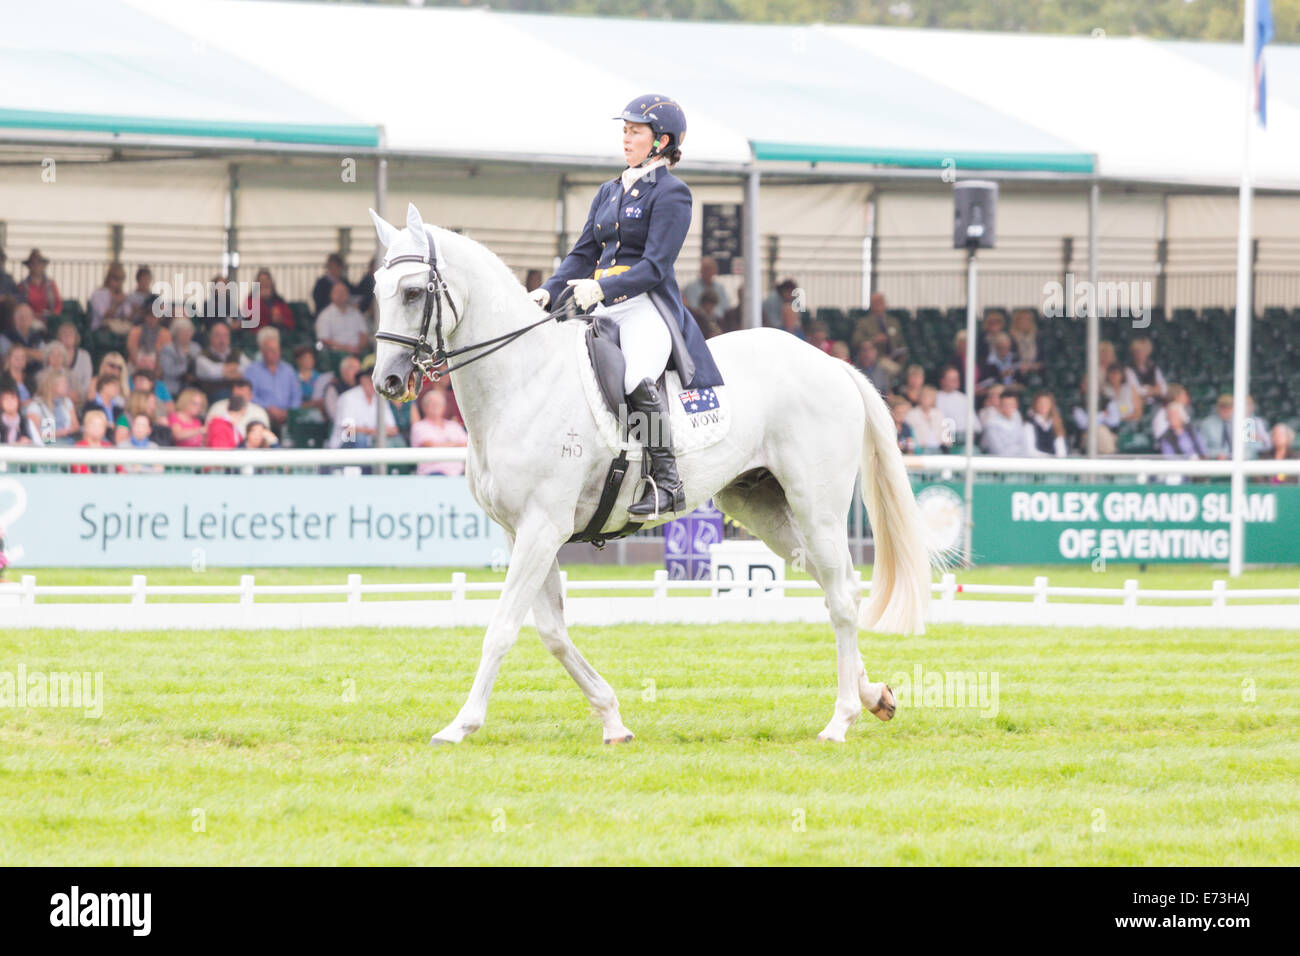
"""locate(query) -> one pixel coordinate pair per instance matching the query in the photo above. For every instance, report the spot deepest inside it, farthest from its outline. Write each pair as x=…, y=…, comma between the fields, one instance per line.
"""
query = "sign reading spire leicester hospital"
x=244, y=521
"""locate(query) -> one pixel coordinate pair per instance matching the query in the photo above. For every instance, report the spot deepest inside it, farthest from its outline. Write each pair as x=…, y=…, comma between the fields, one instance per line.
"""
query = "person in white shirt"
x=220, y=362
x=1044, y=430
x=341, y=326
x=951, y=402
x=252, y=411
x=928, y=423
x=1004, y=430
x=354, y=425
x=1160, y=422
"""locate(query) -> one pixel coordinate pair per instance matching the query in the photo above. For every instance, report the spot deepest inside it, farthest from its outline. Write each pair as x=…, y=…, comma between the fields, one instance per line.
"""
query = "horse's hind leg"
x=813, y=528
x=548, y=612
x=765, y=510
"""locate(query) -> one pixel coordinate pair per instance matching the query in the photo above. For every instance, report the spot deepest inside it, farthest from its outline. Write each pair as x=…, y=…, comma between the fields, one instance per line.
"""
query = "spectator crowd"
x=1017, y=414
x=133, y=372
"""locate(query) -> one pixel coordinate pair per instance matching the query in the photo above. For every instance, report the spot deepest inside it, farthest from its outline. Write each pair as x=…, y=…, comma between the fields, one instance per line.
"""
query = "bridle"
x=428, y=357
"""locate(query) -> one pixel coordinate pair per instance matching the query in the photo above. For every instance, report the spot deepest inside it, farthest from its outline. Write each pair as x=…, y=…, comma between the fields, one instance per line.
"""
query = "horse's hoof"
x=888, y=704
x=625, y=739
x=451, y=734
x=829, y=738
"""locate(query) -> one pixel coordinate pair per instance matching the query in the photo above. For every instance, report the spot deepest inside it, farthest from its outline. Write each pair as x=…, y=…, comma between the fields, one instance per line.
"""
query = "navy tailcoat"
x=642, y=229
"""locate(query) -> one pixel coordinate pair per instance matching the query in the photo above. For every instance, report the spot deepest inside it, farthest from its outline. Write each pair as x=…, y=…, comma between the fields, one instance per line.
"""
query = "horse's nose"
x=392, y=385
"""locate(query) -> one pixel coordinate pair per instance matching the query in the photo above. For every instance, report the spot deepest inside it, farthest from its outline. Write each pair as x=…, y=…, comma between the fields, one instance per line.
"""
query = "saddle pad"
x=697, y=418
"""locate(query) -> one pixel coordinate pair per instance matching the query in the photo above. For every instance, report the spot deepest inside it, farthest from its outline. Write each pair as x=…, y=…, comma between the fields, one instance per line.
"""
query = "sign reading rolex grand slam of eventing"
x=1078, y=523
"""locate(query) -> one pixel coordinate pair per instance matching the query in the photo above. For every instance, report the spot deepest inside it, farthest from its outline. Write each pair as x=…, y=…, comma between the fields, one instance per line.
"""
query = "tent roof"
x=102, y=67
x=478, y=84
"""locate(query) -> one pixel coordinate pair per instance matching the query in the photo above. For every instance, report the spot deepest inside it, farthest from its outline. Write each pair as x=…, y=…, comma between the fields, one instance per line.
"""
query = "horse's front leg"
x=536, y=545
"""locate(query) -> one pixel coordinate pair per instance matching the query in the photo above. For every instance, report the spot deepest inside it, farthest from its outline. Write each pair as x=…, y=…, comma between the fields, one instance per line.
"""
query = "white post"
x=137, y=589
x=751, y=310
x=661, y=584
x=458, y=586
x=245, y=589
x=1241, y=355
x=1040, y=590
x=1131, y=593
x=972, y=281
x=1094, y=320
x=354, y=589
x=29, y=590
x=1220, y=589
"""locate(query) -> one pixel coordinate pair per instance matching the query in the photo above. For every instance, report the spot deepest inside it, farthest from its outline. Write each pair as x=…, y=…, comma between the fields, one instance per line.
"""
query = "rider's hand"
x=586, y=292
x=540, y=296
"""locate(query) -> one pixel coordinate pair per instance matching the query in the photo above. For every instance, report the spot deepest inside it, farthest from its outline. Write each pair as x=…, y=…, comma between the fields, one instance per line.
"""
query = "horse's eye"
x=410, y=295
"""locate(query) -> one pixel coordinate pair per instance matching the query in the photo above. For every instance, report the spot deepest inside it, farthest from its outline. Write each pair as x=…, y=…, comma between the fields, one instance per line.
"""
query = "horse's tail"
x=900, y=578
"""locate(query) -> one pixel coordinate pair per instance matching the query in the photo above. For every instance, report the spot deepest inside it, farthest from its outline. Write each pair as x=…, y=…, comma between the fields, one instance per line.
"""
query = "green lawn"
x=310, y=747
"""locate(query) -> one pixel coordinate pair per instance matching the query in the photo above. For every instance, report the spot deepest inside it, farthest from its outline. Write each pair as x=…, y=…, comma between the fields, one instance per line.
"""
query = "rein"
x=429, y=357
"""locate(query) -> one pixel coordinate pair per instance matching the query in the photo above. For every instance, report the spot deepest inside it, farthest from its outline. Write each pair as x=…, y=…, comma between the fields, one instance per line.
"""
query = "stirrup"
x=673, y=497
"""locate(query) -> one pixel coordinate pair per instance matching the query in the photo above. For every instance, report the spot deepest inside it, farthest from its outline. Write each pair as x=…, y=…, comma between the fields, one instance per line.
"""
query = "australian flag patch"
x=633, y=212
x=698, y=400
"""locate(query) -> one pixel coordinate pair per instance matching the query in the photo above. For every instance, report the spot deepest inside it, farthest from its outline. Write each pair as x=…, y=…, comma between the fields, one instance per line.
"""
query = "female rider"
x=624, y=261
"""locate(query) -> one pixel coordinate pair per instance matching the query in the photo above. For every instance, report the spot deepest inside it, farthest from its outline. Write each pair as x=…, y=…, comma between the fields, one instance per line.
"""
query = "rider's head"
x=653, y=126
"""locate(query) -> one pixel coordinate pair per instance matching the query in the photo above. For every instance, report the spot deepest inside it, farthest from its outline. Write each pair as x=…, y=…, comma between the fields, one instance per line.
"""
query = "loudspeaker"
x=975, y=207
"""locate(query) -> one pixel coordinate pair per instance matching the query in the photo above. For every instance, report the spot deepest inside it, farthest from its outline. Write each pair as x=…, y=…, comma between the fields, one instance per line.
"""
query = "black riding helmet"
x=663, y=116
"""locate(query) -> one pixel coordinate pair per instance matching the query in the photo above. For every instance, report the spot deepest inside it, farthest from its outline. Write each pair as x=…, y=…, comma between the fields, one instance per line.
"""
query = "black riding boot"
x=664, y=493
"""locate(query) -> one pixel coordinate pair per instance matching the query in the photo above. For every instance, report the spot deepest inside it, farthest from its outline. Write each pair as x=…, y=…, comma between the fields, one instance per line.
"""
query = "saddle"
x=698, y=418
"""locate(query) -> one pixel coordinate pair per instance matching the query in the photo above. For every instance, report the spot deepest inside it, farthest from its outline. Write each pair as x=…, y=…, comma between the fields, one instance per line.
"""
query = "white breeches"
x=643, y=337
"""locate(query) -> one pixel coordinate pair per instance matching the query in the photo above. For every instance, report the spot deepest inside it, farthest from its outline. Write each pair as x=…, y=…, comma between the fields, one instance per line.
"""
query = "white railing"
x=230, y=458
x=309, y=457
x=27, y=604
x=1119, y=467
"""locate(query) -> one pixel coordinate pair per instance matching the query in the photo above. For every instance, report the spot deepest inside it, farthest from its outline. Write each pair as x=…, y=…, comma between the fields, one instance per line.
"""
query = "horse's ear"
x=383, y=229
x=415, y=225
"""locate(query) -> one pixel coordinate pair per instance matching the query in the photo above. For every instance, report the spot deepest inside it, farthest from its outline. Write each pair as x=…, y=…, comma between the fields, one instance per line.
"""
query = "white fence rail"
x=28, y=604
x=330, y=457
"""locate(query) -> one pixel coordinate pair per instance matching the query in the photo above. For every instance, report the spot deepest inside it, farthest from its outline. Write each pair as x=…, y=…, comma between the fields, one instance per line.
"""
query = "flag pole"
x=1241, y=353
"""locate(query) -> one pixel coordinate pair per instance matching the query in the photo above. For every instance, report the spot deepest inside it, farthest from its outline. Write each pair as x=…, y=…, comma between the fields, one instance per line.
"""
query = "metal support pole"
x=230, y=250
x=381, y=202
x=870, y=253
x=561, y=222
x=381, y=186
x=1094, y=321
x=1162, y=258
x=1245, y=305
x=972, y=286
x=752, y=308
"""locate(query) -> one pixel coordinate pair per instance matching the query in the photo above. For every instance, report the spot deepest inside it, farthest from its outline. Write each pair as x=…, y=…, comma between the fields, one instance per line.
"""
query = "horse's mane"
x=454, y=245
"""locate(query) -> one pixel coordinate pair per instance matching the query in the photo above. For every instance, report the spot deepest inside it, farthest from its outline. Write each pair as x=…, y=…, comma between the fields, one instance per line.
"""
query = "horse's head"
x=403, y=293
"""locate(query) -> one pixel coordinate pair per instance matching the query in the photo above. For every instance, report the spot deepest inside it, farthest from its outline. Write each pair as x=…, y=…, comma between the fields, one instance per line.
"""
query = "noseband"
x=429, y=358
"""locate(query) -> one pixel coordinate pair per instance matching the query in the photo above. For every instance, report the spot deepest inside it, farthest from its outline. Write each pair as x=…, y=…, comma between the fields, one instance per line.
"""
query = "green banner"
x=1078, y=523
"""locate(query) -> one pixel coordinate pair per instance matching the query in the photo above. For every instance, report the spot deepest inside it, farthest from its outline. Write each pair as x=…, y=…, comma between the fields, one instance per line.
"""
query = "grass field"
x=310, y=747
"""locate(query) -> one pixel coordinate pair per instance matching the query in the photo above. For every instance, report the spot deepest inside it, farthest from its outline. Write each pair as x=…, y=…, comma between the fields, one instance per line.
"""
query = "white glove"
x=586, y=292
x=540, y=296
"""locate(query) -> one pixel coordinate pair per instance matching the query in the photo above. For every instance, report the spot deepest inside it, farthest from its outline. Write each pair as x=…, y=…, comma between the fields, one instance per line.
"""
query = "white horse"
x=804, y=424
